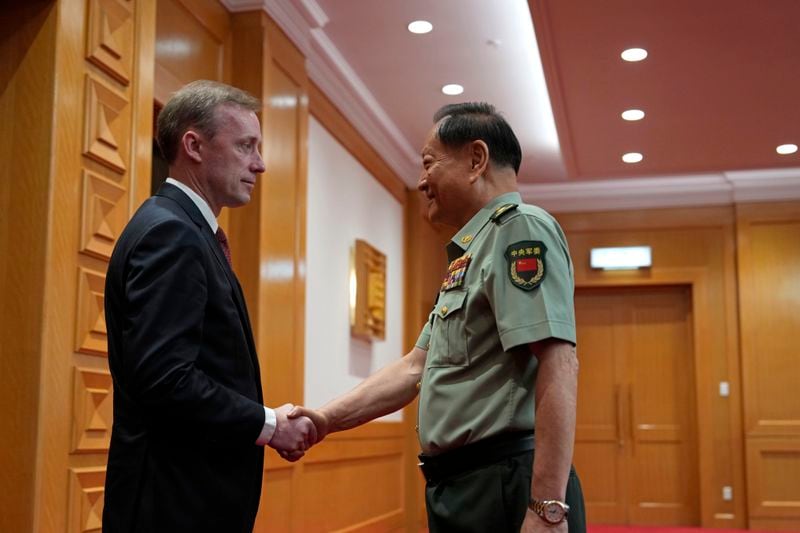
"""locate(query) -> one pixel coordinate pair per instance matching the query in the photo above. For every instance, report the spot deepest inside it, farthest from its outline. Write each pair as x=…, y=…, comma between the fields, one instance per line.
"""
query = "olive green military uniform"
x=509, y=284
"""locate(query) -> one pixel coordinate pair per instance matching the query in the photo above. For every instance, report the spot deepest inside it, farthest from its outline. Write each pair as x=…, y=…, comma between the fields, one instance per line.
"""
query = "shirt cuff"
x=269, y=427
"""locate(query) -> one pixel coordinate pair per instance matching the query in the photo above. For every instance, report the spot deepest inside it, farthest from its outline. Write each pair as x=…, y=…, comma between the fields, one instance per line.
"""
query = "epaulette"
x=502, y=210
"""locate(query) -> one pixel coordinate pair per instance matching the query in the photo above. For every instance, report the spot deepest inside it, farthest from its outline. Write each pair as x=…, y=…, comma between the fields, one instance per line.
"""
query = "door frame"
x=697, y=279
x=620, y=289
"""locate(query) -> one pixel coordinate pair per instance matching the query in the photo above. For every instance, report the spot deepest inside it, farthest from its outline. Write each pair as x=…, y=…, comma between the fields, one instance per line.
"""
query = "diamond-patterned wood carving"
x=107, y=124
x=103, y=216
x=92, y=411
x=91, y=336
x=109, y=39
x=86, y=487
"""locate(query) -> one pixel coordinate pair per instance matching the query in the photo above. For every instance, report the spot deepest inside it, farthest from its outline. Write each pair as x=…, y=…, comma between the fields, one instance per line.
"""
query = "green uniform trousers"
x=493, y=498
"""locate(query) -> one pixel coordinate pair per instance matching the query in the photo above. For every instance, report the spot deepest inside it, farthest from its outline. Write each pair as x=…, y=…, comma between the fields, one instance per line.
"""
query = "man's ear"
x=479, y=154
x=190, y=142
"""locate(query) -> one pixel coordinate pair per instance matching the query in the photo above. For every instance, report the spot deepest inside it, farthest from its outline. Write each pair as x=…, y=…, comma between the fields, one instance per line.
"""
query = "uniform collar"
x=462, y=240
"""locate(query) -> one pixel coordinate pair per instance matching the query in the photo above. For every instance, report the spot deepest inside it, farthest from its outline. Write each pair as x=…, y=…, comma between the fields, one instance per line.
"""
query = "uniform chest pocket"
x=448, y=346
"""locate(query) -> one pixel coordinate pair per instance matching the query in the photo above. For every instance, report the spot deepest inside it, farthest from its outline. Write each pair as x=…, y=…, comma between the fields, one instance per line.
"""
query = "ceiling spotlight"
x=786, y=149
x=420, y=26
x=452, y=89
x=634, y=54
x=632, y=157
x=633, y=114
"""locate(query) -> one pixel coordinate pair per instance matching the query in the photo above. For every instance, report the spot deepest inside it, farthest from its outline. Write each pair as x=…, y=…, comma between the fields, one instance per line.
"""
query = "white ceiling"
x=720, y=89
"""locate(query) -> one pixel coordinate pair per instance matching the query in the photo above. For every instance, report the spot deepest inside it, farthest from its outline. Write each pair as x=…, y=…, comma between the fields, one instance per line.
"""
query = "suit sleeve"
x=166, y=293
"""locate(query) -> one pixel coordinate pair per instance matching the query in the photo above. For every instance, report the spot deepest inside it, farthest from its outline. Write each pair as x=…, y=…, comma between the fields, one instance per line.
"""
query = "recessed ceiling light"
x=452, y=89
x=786, y=149
x=420, y=26
x=633, y=114
x=632, y=157
x=634, y=54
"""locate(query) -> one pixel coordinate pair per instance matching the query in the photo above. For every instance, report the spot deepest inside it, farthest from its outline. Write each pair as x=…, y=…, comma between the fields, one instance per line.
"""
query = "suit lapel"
x=170, y=191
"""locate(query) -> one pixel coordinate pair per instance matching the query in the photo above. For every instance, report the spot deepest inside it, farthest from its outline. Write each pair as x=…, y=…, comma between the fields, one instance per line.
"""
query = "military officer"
x=495, y=365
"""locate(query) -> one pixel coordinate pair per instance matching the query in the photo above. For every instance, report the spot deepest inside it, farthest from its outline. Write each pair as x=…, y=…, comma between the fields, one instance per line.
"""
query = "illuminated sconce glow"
x=452, y=89
x=786, y=149
x=633, y=114
x=634, y=54
x=420, y=26
x=632, y=157
x=625, y=258
x=353, y=287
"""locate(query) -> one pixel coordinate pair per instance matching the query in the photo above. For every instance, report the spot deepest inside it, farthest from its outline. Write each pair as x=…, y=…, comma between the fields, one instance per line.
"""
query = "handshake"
x=296, y=430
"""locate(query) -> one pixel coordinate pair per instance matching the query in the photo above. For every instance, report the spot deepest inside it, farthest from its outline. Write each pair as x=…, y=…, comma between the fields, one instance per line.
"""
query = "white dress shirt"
x=270, y=421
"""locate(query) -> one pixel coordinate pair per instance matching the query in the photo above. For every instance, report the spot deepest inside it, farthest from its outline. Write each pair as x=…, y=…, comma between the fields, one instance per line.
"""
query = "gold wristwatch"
x=551, y=511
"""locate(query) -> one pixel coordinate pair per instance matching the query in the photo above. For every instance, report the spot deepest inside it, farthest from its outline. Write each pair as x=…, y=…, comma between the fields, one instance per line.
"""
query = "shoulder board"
x=502, y=210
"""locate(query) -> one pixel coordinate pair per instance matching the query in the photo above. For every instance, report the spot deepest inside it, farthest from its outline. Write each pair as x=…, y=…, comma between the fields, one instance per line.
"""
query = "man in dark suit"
x=189, y=424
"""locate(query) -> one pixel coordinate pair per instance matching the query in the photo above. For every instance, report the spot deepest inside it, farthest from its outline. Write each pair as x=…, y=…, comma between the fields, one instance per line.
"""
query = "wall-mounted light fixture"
x=623, y=258
x=367, y=292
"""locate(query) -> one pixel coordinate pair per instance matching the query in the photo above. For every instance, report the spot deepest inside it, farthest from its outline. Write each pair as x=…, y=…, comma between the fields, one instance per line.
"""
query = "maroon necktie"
x=223, y=242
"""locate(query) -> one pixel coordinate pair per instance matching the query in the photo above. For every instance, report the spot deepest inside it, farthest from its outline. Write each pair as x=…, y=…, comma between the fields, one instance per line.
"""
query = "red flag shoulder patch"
x=525, y=263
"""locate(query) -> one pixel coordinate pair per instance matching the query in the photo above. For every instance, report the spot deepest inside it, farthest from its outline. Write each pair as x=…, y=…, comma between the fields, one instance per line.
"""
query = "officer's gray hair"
x=194, y=106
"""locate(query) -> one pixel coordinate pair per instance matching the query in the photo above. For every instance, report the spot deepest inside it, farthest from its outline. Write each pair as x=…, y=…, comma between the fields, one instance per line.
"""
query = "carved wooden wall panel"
x=103, y=215
x=107, y=126
x=109, y=38
x=92, y=419
x=86, y=488
x=90, y=323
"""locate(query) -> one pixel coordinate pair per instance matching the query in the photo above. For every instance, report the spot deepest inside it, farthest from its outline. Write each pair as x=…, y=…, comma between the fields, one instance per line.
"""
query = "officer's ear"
x=479, y=154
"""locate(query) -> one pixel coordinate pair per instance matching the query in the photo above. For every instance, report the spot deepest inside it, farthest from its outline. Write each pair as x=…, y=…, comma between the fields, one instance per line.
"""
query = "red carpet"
x=647, y=529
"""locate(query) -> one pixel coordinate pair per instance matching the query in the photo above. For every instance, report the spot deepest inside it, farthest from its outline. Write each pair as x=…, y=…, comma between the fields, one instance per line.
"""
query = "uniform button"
x=444, y=310
x=419, y=384
x=466, y=239
x=416, y=428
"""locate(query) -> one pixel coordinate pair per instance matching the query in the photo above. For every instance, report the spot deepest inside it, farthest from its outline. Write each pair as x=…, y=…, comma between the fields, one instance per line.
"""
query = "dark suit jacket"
x=187, y=391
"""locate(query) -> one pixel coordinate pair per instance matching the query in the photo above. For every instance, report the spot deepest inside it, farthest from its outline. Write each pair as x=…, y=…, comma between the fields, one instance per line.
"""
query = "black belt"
x=436, y=468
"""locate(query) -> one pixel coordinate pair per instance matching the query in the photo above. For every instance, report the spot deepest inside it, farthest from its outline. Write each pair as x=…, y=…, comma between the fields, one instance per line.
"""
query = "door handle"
x=620, y=431
x=631, y=411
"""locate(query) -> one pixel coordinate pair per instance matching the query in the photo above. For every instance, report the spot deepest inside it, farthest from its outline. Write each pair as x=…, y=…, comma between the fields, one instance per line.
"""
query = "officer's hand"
x=320, y=421
x=534, y=524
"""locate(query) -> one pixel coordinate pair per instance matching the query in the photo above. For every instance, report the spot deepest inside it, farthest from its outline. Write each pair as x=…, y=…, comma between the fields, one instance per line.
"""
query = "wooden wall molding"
x=105, y=124
x=92, y=419
x=86, y=488
x=773, y=467
x=109, y=38
x=103, y=215
x=685, y=190
x=90, y=324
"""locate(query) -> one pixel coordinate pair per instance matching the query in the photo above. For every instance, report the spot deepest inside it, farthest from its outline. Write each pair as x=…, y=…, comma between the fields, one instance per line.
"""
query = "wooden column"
x=81, y=103
x=27, y=79
x=269, y=237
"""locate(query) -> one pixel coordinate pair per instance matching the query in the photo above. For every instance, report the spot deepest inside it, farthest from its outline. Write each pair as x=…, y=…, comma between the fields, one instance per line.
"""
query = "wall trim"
x=303, y=21
x=687, y=190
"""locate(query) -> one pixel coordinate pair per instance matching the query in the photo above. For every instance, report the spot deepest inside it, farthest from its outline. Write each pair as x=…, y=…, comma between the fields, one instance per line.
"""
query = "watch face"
x=553, y=513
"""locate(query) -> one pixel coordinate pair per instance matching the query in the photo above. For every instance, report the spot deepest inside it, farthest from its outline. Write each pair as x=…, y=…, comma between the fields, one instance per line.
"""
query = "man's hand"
x=319, y=419
x=293, y=436
x=533, y=523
